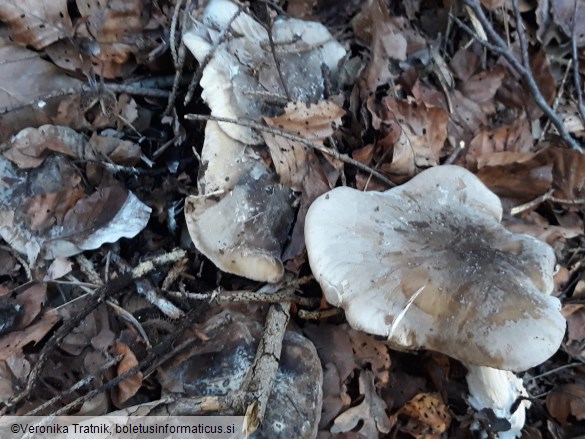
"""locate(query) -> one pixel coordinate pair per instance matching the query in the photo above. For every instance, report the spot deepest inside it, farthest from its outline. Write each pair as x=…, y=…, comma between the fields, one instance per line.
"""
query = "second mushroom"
x=428, y=265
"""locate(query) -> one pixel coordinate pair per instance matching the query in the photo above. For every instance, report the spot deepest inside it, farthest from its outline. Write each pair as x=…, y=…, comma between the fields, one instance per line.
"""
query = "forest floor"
x=130, y=130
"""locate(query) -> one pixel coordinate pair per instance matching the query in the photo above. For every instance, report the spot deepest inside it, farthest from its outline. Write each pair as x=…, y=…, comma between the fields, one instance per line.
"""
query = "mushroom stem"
x=498, y=390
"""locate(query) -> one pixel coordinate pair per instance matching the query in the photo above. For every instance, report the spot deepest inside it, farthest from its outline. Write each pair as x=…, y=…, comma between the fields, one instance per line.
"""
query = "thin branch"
x=576, y=74
x=521, y=36
x=90, y=302
x=286, y=295
x=178, y=54
x=258, y=384
x=325, y=150
x=523, y=71
x=268, y=26
x=560, y=92
x=543, y=198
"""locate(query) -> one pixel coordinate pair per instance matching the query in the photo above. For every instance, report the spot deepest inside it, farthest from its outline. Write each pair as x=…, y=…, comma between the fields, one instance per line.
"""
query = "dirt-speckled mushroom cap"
x=429, y=265
x=242, y=232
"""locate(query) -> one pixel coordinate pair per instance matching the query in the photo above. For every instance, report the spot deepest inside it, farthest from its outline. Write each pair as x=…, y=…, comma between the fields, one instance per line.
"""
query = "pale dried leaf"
x=58, y=268
x=371, y=412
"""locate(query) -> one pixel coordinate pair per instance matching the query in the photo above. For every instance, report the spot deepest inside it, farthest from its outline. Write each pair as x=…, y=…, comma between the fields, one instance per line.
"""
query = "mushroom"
x=428, y=265
x=241, y=80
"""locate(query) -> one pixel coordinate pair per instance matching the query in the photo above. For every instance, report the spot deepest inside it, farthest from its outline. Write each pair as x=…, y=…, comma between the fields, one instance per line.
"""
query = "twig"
x=268, y=26
x=558, y=98
x=154, y=358
x=286, y=295
x=319, y=314
x=90, y=302
x=258, y=384
x=575, y=57
x=178, y=55
x=545, y=197
x=555, y=370
x=530, y=204
x=526, y=73
x=85, y=381
x=455, y=153
x=325, y=150
x=87, y=88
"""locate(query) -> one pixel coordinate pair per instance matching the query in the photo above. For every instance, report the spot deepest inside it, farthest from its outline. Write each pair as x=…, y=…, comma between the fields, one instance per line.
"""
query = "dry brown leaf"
x=423, y=130
x=565, y=401
x=27, y=81
x=300, y=8
x=542, y=72
x=371, y=412
x=45, y=212
x=466, y=120
x=546, y=232
x=371, y=354
x=492, y=4
x=515, y=93
x=373, y=25
x=315, y=184
x=121, y=152
x=127, y=388
x=335, y=347
x=31, y=300
x=482, y=86
x=335, y=398
x=36, y=23
x=12, y=343
x=513, y=138
x=30, y=147
x=519, y=181
x=41, y=212
x=568, y=173
x=9, y=266
x=118, y=26
x=575, y=315
x=314, y=122
x=80, y=337
x=6, y=382
x=563, y=13
x=429, y=96
x=428, y=417
x=465, y=63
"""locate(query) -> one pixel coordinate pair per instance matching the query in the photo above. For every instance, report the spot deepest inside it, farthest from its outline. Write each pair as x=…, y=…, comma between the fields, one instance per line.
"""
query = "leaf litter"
x=84, y=163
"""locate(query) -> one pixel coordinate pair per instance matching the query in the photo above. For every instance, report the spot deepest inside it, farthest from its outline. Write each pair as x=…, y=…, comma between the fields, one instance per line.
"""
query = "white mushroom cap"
x=242, y=233
x=429, y=265
x=242, y=80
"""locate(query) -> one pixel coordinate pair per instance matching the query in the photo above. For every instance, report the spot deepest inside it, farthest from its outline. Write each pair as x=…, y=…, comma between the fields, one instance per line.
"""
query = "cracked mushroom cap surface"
x=428, y=265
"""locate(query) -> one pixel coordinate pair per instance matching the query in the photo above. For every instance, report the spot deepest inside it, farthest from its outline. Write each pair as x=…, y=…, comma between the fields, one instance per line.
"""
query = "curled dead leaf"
x=566, y=401
x=127, y=388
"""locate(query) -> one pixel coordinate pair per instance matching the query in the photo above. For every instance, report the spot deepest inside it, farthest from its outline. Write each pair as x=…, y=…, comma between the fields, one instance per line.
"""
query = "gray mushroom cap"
x=429, y=265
